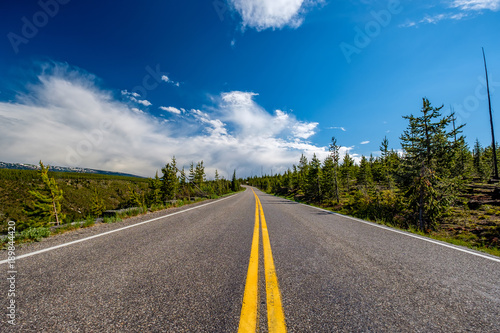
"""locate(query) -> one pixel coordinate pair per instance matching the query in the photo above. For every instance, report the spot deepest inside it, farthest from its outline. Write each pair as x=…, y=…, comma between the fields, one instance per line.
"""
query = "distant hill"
x=22, y=166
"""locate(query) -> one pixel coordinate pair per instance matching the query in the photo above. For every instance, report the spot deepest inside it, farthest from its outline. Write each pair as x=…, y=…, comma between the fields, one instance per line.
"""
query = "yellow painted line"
x=248, y=317
x=275, y=315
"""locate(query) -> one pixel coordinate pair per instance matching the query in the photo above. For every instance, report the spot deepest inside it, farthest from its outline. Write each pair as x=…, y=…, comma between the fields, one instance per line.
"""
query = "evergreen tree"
x=478, y=162
x=183, y=183
x=295, y=179
x=334, y=153
x=235, y=186
x=199, y=172
x=192, y=174
x=364, y=176
x=347, y=170
x=154, y=195
x=170, y=182
x=313, y=189
x=217, y=183
x=385, y=153
x=136, y=199
x=97, y=207
x=328, y=178
x=47, y=203
x=428, y=157
x=302, y=173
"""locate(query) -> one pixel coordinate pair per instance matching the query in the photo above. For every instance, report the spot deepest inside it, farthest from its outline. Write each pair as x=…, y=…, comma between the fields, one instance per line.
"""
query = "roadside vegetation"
x=434, y=185
x=44, y=202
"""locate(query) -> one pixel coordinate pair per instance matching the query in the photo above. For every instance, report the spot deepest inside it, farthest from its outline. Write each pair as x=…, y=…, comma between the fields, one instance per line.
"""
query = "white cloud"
x=434, y=19
x=338, y=127
x=133, y=96
x=168, y=80
x=127, y=93
x=275, y=14
x=304, y=130
x=66, y=120
x=456, y=10
x=170, y=109
x=493, y=5
x=251, y=119
x=364, y=142
x=136, y=110
x=142, y=101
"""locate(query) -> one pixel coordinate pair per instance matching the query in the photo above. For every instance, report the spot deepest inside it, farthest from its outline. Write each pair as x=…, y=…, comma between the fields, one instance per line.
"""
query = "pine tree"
x=47, y=202
x=154, y=194
x=235, y=186
x=328, y=178
x=199, y=172
x=97, y=207
x=312, y=186
x=192, y=174
x=170, y=182
x=217, y=183
x=347, y=170
x=478, y=161
x=384, y=152
x=364, y=176
x=428, y=158
x=334, y=152
x=136, y=199
x=302, y=173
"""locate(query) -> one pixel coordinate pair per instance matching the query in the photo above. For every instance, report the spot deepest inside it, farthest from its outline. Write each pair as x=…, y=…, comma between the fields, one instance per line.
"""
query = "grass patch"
x=89, y=221
x=66, y=227
x=113, y=219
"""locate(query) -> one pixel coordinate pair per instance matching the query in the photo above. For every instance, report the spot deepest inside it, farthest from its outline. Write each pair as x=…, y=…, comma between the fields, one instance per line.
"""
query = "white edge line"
x=111, y=231
x=430, y=240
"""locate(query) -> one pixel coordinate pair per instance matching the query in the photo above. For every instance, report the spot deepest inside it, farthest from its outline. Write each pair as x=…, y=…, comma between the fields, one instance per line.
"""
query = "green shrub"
x=35, y=234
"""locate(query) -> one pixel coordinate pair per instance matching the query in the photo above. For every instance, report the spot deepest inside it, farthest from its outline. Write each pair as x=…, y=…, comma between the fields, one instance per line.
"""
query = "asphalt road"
x=187, y=273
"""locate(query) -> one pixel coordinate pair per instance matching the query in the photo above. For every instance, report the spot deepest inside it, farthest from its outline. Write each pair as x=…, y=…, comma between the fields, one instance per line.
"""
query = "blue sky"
x=244, y=85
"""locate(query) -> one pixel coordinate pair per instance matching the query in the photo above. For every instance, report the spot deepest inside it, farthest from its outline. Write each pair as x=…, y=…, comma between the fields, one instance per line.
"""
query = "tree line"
x=412, y=187
x=173, y=186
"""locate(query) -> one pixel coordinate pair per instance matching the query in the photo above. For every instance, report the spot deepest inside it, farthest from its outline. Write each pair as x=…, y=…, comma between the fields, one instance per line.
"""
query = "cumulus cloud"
x=128, y=94
x=170, y=109
x=165, y=78
x=142, y=101
x=274, y=14
x=65, y=119
x=240, y=109
x=133, y=96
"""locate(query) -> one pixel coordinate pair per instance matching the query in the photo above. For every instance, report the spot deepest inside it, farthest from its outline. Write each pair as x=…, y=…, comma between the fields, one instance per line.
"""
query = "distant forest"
x=41, y=198
x=435, y=180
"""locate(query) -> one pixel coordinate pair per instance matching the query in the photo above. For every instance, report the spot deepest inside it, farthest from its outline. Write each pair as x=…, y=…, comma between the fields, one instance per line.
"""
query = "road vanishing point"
x=250, y=262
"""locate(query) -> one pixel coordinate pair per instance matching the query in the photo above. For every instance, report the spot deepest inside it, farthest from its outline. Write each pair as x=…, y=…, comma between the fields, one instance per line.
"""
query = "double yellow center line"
x=249, y=309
